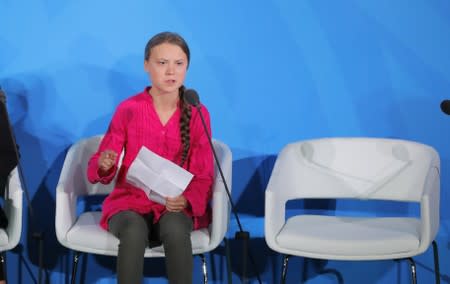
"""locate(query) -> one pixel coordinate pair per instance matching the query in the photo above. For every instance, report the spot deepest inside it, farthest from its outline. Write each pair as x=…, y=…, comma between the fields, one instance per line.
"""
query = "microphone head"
x=445, y=106
x=191, y=97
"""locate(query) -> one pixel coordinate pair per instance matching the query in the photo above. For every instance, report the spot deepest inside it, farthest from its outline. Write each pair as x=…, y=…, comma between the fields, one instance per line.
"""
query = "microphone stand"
x=39, y=236
x=241, y=234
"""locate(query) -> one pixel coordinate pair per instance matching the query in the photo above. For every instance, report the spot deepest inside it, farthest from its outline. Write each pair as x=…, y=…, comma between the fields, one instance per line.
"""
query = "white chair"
x=82, y=233
x=361, y=169
x=10, y=237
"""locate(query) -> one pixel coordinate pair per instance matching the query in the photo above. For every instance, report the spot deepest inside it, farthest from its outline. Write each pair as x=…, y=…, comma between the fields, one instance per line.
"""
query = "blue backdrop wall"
x=270, y=72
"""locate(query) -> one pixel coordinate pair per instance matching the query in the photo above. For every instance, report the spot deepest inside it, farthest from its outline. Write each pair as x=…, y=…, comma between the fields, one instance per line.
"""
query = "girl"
x=159, y=119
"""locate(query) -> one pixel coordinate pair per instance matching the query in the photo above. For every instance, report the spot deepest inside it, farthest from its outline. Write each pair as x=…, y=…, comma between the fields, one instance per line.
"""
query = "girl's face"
x=166, y=67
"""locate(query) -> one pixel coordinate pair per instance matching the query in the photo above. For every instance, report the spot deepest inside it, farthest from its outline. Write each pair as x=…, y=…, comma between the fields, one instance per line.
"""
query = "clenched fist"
x=106, y=161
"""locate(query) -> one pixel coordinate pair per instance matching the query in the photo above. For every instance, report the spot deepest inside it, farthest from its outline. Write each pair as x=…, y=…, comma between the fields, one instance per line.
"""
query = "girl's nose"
x=170, y=69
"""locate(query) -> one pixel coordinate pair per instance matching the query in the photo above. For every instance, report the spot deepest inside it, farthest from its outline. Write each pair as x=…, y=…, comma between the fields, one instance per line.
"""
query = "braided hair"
x=186, y=111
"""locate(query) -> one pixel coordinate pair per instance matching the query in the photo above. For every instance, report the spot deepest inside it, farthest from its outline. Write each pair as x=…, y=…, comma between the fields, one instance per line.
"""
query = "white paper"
x=157, y=176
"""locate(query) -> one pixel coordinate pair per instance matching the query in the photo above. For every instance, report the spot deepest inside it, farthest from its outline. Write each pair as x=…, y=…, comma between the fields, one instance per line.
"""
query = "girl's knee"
x=175, y=223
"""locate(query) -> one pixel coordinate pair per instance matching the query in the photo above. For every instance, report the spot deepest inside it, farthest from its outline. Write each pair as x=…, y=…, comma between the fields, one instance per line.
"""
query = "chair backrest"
x=78, y=157
x=365, y=168
x=225, y=159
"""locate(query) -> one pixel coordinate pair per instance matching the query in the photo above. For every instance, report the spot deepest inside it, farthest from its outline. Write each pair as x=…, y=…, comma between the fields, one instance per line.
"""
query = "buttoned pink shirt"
x=135, y=124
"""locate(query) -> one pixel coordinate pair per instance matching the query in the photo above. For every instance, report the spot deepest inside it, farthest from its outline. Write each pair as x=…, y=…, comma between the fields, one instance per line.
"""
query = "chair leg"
x=437, y=273
x=76, y=257
x=284, y=269
x=228, y=256
x=413, y=270
x=2, y=266
x=204, y=269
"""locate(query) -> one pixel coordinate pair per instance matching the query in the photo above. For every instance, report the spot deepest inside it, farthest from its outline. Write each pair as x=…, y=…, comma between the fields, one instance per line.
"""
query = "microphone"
x=445, y=106
x=191, y=97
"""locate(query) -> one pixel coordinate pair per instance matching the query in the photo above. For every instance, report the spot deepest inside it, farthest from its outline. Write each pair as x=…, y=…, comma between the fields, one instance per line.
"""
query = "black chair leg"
x=413, y=270
x=284, y=269
x=228, y=257
x=76, y=257
x=2, y=266
x=437, y=273
x=204, y=269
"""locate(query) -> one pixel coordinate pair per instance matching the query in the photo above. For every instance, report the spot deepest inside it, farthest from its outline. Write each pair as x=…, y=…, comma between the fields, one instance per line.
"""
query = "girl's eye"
x=180, y=63
x=161, y=62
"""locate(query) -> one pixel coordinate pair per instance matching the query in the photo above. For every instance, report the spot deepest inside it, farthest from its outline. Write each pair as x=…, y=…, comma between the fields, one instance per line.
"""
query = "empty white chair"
x=360, y=169
x=82, y=233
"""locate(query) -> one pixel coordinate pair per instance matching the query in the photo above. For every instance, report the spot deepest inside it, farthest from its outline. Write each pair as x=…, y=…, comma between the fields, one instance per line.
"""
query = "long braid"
x=185, y=119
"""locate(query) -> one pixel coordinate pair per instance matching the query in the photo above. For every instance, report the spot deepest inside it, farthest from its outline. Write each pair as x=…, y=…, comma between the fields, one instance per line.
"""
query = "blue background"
x=270, y=72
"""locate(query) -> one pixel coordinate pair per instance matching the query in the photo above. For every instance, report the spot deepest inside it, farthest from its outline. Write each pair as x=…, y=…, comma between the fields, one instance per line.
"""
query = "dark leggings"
x=134, y=232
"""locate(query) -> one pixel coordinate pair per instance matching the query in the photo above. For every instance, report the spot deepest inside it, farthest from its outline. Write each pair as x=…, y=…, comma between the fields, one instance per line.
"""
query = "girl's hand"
x=176, y=204
x=106, y=161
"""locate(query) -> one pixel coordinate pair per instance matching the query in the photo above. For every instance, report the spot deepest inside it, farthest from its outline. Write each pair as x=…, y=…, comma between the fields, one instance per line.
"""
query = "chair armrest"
x=220, y=202
x=220, y=215
x=13, y=210
x=71, y=184
x=274, y=218
x=65, y=215
x=429, y=208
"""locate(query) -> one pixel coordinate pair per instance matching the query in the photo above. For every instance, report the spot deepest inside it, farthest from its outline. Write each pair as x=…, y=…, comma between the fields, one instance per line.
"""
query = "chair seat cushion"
x=86, y=235
x=349, y=236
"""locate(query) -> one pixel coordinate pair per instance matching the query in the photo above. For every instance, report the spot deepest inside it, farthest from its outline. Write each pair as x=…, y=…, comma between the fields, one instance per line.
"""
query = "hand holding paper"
x=176, y=204
x=157, y=177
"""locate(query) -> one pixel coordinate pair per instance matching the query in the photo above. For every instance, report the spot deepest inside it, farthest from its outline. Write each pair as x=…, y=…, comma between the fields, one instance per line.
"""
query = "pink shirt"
x=135, y=124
